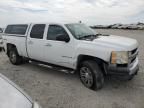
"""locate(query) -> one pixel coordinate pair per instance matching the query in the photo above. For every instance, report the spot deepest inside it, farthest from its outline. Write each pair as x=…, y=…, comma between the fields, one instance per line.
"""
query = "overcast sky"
x=88, y=11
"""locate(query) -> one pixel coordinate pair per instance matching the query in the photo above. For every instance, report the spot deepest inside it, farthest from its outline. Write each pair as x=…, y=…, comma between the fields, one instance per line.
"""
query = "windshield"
x=80, y=30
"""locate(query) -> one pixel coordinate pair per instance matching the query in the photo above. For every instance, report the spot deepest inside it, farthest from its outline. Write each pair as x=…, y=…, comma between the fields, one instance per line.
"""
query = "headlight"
x=119, y=57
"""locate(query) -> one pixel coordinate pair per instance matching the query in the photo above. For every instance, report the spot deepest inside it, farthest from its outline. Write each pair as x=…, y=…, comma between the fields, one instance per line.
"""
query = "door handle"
x=30, y=42
x=48, y=44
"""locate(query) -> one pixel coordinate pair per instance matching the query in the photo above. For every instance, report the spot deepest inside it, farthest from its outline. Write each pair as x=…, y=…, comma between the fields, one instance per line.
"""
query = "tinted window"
x=54, y=31
x=37, y=31
x=16, y=29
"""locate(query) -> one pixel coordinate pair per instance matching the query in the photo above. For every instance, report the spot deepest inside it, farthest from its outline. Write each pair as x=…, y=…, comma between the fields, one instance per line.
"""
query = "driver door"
x=58, y=52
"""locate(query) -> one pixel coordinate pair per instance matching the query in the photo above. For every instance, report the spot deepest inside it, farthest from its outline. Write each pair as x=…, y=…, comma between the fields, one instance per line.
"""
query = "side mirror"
x=62, y=37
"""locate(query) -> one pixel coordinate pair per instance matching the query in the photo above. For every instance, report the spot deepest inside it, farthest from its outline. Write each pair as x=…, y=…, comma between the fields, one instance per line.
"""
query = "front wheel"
x=91, y=75
x=14, y=57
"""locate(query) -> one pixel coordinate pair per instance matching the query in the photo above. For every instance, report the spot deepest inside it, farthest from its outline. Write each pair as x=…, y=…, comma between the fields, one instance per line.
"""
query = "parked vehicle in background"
x=136, y=26
x=1, y=41
x=11, y=96
x=115, y=26
x=73, y=47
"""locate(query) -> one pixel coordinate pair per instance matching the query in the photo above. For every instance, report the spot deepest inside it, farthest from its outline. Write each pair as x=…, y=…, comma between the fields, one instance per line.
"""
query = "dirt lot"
x=54, y=89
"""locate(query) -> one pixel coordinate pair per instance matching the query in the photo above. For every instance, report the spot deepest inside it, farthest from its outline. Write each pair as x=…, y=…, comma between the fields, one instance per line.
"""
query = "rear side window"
x=16, y=29
x=37, y=31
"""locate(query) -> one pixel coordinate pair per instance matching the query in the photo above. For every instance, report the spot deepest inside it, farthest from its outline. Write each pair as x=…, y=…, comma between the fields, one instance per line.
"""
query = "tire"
x=25, y=60
x=14, y=57
x=91, y=75
x=130, y=78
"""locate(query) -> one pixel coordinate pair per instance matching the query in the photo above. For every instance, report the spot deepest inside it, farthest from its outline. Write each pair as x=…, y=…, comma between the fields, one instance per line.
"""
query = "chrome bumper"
x=134, y=67
x=124, y=72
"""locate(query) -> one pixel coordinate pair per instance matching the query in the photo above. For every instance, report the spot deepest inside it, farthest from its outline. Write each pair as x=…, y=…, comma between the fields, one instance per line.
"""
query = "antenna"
x=80, y=21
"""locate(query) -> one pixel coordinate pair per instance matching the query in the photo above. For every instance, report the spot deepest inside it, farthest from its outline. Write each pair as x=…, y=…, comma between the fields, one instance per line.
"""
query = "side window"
x=37, y=31
x=16, y=29
x=54, y=31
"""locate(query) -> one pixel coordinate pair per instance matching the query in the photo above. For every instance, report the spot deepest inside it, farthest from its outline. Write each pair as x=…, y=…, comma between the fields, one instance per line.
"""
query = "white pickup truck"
x=74, y=47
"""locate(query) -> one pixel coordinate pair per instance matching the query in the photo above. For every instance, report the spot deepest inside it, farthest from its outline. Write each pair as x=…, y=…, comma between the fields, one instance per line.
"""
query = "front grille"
x=132, y=60
x=133, y=55
x=133, y=51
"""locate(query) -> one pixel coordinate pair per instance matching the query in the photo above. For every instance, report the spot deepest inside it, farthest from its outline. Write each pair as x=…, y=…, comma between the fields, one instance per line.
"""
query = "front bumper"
x=124, y=72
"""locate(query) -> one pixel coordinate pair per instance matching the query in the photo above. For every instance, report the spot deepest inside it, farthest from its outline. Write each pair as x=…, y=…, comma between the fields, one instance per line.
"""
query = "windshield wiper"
x=91, y=36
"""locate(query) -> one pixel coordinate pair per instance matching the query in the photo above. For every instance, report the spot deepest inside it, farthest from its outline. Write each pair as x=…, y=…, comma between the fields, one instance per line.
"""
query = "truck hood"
x=120, y=42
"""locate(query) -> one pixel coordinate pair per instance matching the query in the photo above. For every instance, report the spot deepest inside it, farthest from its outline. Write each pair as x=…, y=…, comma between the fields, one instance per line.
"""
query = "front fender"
x=100, y=52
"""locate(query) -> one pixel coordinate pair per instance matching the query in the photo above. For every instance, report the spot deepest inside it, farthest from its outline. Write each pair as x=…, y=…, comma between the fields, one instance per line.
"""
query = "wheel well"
x=82, y=58
x=9, y=47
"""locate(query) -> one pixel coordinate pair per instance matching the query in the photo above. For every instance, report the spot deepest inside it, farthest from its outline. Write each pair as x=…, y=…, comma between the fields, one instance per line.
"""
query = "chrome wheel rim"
x=13, y=57
x=86, y=76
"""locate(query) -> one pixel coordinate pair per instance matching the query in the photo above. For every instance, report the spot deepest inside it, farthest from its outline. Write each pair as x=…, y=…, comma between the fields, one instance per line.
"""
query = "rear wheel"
x=14, y=57
x=91, y=75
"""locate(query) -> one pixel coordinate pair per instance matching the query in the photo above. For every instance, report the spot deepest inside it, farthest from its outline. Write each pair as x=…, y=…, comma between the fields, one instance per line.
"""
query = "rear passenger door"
x=35, y=42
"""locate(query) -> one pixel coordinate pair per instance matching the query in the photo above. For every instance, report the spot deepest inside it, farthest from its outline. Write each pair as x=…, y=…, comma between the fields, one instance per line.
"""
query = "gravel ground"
x=54, y=89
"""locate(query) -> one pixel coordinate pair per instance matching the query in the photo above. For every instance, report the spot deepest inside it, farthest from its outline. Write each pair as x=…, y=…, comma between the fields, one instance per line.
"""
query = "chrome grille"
x=133, y=55
x=133, y=51
x=133, y=60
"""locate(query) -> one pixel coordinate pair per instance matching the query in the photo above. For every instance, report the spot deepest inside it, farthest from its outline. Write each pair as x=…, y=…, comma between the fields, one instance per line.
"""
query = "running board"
x=53, y=67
